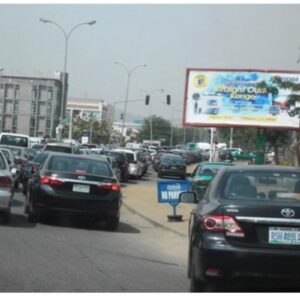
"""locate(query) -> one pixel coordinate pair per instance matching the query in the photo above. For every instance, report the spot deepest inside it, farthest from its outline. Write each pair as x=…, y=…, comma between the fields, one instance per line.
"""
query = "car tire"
x=32, y=216
x=6, y=216
x=112, y=223
x=195, y=284
x=16, y=185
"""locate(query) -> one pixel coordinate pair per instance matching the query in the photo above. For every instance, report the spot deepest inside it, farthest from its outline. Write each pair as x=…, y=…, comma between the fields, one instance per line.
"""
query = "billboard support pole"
x=211, y=144
x=260, y=146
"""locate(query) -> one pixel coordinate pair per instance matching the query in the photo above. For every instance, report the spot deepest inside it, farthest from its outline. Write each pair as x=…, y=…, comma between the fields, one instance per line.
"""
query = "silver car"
x=6, y=188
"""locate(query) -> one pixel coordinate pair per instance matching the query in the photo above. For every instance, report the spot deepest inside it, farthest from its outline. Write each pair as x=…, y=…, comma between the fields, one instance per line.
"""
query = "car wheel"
x=32, y=216
x=112, y=223
x=6, y=215
x=196, y=285
x=16, y=186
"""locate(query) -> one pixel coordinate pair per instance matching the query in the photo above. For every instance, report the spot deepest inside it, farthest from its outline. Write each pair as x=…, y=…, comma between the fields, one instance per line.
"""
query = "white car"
x=135, y=165
x=6, y=188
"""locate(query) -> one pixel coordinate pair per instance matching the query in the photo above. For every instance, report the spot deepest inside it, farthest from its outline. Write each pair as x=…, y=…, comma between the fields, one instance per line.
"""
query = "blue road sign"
x=169, y=191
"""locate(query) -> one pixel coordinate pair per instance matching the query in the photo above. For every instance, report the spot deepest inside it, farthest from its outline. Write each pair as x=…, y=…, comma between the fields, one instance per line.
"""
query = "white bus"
x=14, y=139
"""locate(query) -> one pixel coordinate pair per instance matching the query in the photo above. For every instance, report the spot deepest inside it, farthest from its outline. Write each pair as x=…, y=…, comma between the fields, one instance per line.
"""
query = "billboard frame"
x=206, y=125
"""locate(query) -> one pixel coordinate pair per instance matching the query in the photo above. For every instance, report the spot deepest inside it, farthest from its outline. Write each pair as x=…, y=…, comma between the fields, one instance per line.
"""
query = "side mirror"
x=14, y=171
x=188, y=197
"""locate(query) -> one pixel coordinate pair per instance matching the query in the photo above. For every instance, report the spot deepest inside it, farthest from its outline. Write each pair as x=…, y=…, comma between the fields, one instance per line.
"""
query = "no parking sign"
x=169, y=192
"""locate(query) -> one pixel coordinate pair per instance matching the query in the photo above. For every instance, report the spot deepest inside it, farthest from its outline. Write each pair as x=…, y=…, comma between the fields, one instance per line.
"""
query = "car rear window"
x=2, y=163
x=172, y=159
x=129, y=156
x=266, y=185
x=119, y=156
x=58, y=149
x=79, y=165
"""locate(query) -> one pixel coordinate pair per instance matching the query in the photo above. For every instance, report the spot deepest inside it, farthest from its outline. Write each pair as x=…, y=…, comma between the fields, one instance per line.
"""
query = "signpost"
x=169, y=191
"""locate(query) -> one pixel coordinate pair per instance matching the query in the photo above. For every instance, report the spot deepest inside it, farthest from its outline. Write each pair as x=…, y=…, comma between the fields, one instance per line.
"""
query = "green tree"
x=161, y=129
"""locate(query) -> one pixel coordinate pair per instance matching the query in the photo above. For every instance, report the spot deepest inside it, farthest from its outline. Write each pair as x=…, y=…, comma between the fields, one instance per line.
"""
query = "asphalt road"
x=68, y=255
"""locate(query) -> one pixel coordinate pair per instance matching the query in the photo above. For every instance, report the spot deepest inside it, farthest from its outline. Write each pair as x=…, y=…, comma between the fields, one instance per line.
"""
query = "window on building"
x=50, y=93
x=34, y=92
x=42, y=93
x=9, y=91
x=48, y=124
x=17, y=92
x=16, y=107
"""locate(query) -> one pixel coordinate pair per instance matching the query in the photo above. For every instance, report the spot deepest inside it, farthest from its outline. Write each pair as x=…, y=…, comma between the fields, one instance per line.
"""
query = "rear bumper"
x=49, y=203
x=234, y=261
x=169, y=172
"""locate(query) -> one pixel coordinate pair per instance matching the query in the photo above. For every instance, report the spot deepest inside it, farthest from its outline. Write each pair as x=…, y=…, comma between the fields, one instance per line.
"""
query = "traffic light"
x=121, y=117
x=168, y=99
x=147, y=101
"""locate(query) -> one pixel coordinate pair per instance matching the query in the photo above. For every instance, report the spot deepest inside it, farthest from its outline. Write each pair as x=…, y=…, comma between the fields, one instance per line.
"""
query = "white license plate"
x=286, y=236
x=81, y=188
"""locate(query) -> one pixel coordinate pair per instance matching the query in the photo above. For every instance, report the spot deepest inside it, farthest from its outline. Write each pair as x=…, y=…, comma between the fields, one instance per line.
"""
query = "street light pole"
x=129, y=72
x=67, y=36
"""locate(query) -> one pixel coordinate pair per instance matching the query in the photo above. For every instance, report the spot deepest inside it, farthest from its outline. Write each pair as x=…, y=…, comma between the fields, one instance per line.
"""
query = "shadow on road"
x=20, y=221
x=87, y=224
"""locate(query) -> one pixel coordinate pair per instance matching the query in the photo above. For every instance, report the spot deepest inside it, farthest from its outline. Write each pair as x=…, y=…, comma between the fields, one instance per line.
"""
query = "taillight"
x=50, y=180
x=109, y=186
x=5, y=181
x=219, y=223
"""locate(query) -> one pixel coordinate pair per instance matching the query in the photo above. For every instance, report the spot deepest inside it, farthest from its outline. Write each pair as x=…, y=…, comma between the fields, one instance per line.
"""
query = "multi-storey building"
x=30, y=105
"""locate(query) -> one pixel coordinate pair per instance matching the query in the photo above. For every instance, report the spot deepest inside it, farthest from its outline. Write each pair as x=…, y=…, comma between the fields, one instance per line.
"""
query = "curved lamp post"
x=67, y=36
x=129, y=72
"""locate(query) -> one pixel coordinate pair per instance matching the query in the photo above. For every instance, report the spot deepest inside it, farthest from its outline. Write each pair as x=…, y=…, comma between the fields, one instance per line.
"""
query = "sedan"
x=247, y=226
x=73, y=184
x=171, y=165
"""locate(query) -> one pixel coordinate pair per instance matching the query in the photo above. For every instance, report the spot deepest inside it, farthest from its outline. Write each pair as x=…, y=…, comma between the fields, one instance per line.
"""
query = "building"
x=88, y=108
x=30, y=105
x=131, y=129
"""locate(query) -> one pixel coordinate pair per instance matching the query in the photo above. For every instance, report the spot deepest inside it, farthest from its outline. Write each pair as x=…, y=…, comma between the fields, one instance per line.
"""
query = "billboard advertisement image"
x=242, y=98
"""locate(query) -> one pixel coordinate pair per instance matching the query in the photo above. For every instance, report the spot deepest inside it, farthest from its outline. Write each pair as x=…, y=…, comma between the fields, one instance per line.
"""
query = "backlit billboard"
x=241, y=98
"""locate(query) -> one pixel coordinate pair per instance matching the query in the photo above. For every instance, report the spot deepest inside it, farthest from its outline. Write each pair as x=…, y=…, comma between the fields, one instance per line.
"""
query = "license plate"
x=81, y=188
x=286, y=236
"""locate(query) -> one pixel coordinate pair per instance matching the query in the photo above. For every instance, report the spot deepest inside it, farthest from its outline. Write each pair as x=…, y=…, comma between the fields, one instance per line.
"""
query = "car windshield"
x=271, y=185
x=129, y=156
x=79, y=165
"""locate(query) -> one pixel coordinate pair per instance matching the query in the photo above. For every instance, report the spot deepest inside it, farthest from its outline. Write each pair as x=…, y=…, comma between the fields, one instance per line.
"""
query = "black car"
x=171, y=165
x=122, y=163
x=74, y=184
x=30, y=167
x=246, y=226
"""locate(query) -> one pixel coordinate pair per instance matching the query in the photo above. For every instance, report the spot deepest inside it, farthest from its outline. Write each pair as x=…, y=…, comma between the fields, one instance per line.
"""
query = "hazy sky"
x=168, y=38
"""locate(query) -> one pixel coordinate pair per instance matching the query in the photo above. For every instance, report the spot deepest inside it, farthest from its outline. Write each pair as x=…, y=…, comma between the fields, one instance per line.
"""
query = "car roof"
x=90, y=156
x=259, y=168
x=59, y=144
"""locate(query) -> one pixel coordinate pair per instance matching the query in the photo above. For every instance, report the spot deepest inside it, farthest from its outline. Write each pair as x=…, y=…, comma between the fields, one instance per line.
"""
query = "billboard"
x=241, y=98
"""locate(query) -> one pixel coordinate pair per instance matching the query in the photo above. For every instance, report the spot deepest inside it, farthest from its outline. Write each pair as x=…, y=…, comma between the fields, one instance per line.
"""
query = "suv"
x=135, y=167
x=61, y=147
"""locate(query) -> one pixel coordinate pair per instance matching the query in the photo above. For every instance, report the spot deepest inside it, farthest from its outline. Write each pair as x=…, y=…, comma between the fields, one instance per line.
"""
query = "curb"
x=152, y=221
